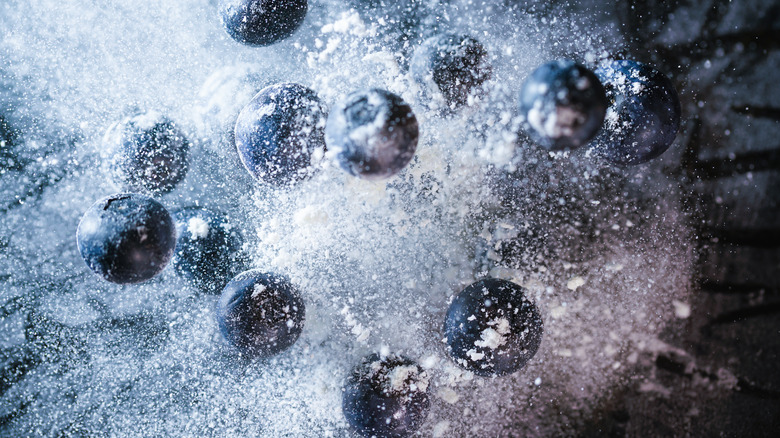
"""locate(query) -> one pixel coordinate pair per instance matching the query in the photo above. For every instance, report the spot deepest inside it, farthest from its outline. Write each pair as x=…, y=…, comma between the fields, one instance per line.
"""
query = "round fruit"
x=149, y=152
x=455, y=65
x=373, y=132
x=262, y=22
x=492, y=329
x=386, y=397
x=126, y=238
x=644, y=114
x=208, y=248
x=563, y=105
x=260, y=314
x=278, y=131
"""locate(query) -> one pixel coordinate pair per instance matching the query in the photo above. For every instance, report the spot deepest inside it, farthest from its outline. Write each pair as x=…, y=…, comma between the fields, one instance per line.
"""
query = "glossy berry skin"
x=373, y=132
x=208, y=248
x=260, y=314
x=149, y=153
x=279, y=130
x=126, y=238
x=262, y=22
x=644, y=114
x=455, y=65
x=492, y=329
x=386, y=397
x=562, y=104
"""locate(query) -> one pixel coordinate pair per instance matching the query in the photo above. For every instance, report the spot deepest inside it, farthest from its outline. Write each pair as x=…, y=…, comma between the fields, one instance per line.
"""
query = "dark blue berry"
x=492, y=329
x=260, y=314
x=386, y=397
x=277, y=133
x=455, y=65
x=149, y=152
x=373, y=132
x=126, y=238
x=262, y=22
x=562, y=105
x=643, y=116
x=208, y=248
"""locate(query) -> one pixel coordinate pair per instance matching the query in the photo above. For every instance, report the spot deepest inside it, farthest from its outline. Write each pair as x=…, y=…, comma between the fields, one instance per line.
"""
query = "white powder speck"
x=258, y=289
x=474, y=355
x=681, y=309
x=448, y=395
x=441, y=428
x=310, y=215
x=575, y=282
x=408, y=377
x=198, y=228
x=655, y=388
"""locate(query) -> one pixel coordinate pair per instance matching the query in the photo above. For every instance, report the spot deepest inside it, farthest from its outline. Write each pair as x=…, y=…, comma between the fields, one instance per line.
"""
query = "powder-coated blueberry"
x=279, y=131
x=208, y=248
x=262, y=22
x=126, y=238
x=643, y=116
x=455, y=65
x=386, y=397
x=373, y=133
x=149, y=152
x=260, y=314
x=562, y=104
x=492, y=329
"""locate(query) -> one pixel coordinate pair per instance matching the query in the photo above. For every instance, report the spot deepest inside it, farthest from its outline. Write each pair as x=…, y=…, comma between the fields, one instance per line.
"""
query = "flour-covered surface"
x=657, y=284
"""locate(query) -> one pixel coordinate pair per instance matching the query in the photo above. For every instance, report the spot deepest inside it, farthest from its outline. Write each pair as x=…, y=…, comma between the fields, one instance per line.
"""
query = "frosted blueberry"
x=149, y=153
x=455, y=65
x=208, y=248
x=373, y=132
x=277, y=133
x=643, y=116
x=126, y=238
x=386, y=397
x=260, y=314
x=262, y=22
x=491, y=328
x=562, y=104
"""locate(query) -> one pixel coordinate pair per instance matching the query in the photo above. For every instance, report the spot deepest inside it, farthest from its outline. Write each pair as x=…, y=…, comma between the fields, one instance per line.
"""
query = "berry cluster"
x=627, y=111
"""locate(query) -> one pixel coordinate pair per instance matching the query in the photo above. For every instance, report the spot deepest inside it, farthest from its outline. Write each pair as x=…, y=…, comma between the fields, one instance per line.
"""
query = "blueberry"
x=492, y=329
x=279, y=130
x=208, y=248
x=562, y=105
x=373, y=132
x=386, y=397
x=149, y=152
x=126, y=238
x=260, y=314
x=455, y=65
x=262, y=22
x=644, y=114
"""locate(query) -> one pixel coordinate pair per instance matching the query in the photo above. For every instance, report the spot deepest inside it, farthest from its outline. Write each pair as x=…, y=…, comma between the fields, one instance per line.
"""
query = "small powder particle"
x=575, y=283
x=448, y=395
x=198, y=228
x=681, y=310
x=258, y=289
x=441, y=429
x=474, y=355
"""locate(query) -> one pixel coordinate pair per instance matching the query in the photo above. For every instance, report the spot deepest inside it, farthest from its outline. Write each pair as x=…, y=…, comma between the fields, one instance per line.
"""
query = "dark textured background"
x=725, y=59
